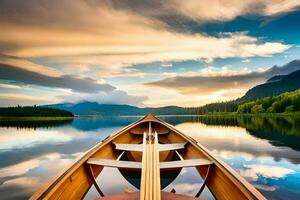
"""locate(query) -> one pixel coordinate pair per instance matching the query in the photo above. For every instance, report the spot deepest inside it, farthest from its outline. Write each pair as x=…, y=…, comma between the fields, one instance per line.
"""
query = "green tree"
x=257, y=109
x=289, y=109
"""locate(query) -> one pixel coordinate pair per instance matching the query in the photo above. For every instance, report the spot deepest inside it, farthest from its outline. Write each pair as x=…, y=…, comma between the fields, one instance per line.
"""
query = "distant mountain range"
x=94, y=108
x=273, y=86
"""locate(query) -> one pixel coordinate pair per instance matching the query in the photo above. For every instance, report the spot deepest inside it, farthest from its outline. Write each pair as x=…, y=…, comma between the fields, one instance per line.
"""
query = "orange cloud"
x=113, y=37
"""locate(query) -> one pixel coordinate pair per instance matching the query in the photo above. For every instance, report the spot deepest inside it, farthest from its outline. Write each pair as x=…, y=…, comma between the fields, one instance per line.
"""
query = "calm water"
x=265, y=151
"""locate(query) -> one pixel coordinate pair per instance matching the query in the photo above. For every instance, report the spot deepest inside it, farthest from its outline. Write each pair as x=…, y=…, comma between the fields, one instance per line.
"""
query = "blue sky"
x=145, y=53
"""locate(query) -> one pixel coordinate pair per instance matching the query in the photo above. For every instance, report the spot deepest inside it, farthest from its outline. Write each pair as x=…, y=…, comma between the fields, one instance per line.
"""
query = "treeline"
x=226, y=106
x=33, y=111
x=286, y=102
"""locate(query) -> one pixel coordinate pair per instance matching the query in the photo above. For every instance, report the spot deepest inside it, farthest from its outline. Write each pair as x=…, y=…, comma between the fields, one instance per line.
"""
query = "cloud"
x=29, y=66
x=281, y=6
x=164, y=46
x=246, y=61
x=79, y=68
x=77, y=84
x=212, y=80
x=80, y=89
x=166, y=65
x=9, y=86
x=109, y=97
x=218, y=10
x=10, y=99
x=224, y=10
x=106, y=35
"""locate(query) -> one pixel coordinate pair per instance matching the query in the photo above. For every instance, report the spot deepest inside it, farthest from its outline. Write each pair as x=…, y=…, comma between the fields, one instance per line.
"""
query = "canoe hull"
x=75, y=181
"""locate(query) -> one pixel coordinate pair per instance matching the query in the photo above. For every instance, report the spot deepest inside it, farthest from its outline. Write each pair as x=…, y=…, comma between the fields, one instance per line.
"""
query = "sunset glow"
x=153, y=53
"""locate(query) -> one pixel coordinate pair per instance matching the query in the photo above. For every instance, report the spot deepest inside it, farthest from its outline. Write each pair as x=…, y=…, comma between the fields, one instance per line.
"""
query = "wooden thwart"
x=115, y=163
x=139, y=147
x=184, y=163
x=138, y=165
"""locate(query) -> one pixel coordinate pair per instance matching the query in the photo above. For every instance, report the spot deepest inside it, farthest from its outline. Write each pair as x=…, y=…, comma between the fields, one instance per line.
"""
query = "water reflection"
x=264, y=150
x=33, y=124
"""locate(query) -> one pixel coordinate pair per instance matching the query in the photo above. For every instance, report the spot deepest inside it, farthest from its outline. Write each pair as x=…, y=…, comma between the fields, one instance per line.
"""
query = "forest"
x=225, y=106
x=287, y=102
x=33, y=111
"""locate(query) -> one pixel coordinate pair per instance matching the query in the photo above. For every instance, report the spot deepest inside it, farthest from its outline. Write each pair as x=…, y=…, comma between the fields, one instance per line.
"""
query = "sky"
x=143, y=52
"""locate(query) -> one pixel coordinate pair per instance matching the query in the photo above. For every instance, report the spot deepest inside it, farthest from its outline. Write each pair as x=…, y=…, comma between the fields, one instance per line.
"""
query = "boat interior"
x=149, y=154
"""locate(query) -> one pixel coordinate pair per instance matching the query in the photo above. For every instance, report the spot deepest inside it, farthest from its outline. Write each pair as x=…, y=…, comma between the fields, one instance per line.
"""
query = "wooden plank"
x=156, y=169
x=143, y=176
x=115, y=163
x=149, y=152
x=129, y=147
x=136, y=196
x=169, y=147
x=139, y=147
x=150, y=181
x=184, y=163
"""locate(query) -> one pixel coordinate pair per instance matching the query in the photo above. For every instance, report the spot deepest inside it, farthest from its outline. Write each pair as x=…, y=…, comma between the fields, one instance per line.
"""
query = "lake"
x=264, y=150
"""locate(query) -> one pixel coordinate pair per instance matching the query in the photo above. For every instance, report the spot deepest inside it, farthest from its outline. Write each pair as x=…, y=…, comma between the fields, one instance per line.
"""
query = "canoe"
x=150, y=154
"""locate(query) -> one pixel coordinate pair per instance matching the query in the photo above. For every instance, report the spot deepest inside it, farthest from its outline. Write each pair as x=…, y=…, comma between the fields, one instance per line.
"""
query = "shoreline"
x=35, y=118
x=254, y=115
x=216, y=114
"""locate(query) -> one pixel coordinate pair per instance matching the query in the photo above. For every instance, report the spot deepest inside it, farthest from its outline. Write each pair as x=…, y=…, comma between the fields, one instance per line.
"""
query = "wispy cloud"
x=77, y=84
x=211, y=80
x=108, y=97
x=218, y=10
x=29, y=66
x=10, y=99
x=223, y=10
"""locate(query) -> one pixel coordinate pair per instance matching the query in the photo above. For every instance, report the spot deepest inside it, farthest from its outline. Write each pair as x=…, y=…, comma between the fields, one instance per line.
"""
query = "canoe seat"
x=139, y=147
x=138, y=165
x=115, y=163
x=184, y=163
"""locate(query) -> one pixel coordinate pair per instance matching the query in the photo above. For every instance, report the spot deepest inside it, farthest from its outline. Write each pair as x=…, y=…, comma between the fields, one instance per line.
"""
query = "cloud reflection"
x=29, y=137
x=20, y=168
x=253, y=172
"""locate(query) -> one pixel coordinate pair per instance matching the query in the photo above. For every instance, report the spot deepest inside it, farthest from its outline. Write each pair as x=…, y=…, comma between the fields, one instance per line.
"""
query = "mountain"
x=276, y=78
x=275, y=86
x=94, y=108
